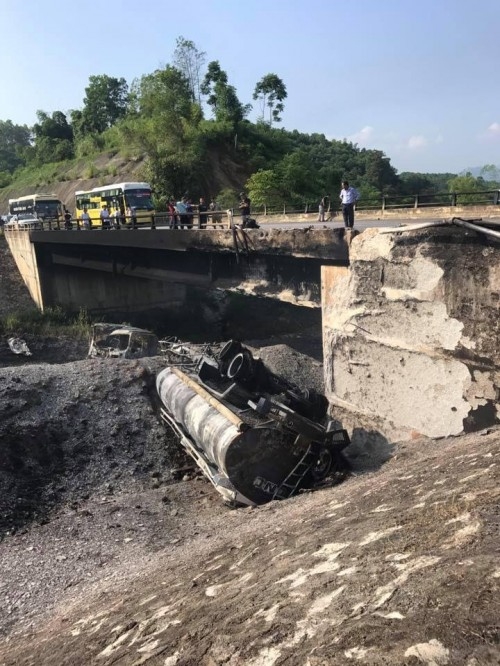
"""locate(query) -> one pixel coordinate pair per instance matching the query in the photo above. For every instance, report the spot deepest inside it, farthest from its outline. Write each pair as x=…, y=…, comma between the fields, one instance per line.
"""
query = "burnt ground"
x=108, y=557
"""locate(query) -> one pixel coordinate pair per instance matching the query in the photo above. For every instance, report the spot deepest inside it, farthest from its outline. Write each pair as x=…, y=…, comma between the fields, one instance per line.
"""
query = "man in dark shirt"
x=244, y=209
x=202, y=212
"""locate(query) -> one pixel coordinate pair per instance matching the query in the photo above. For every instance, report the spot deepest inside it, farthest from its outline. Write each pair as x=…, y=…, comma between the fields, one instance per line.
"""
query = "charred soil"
x=114, y=550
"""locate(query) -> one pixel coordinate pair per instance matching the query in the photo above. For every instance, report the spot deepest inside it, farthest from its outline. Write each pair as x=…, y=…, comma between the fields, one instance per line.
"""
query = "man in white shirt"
x=85, y=219
x=348, y=197
x=104, y=215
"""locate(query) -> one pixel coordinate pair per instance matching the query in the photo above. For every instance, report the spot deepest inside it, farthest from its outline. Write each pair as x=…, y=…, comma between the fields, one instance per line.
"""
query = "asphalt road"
x=338, y=223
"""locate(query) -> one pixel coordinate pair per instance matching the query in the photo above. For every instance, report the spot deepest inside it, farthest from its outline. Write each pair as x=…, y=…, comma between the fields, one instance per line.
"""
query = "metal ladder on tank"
x=289, y=486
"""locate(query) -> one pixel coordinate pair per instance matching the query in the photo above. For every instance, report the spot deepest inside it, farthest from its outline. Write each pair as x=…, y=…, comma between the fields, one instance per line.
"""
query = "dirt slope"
x=397, y=566
x=222, y=172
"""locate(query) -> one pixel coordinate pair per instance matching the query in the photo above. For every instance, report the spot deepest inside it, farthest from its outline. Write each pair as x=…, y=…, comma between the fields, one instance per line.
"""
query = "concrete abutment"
x=411, y=333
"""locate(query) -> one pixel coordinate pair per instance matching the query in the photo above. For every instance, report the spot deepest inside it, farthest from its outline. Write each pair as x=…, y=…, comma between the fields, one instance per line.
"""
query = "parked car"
x=24, y=221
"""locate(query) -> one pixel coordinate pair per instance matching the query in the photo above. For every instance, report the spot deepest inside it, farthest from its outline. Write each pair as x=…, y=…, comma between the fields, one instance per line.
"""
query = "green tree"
x=53, y=138
x=467, y=187
x=264, y=188
x=55, y=126
x=416, y=183
x=271, y=92
x=221, y=97
x=379, y=173
x=14, y=141
x=166, y=129
x=105, y=102
x=189, y=60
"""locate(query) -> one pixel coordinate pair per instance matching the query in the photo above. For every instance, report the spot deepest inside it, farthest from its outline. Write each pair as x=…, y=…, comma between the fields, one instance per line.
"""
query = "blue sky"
x=418, y=80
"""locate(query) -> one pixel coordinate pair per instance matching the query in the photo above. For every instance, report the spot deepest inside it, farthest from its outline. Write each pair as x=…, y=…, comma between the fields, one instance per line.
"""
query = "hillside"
x=64, y=178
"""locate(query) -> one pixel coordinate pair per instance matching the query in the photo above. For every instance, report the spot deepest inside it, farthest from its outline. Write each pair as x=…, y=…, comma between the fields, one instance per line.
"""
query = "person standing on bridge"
x=85, y=219
x=244, y=207
x=321, y=210
x=104, y=215
x=348, y=197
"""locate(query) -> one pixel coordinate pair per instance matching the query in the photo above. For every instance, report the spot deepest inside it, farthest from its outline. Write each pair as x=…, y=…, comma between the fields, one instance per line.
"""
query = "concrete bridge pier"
x=411, y=333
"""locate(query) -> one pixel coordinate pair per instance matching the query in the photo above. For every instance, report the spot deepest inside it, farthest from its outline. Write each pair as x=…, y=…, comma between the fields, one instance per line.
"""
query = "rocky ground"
x=115, y=551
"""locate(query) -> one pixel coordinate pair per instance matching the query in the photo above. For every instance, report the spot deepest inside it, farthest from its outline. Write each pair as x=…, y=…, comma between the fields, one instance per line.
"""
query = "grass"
x=52, y=322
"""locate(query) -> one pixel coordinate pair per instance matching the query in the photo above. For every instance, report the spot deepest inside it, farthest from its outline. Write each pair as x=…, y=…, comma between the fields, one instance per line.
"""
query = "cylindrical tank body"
x=255, y=460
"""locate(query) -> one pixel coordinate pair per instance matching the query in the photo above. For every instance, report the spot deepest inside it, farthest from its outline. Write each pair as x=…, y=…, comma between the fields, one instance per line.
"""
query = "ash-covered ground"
x=115, y=550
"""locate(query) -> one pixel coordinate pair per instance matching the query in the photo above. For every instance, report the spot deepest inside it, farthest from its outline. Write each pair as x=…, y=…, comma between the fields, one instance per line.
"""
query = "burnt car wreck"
x=122, y=341
x=256, y=436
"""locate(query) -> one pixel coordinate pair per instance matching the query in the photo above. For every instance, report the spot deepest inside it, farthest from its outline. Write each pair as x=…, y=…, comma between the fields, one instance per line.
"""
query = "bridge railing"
x=384, y=202
x=193, y=220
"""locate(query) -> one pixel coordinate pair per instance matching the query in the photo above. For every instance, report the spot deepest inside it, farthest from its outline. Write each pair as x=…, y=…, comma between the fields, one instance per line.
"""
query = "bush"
x=53, y=321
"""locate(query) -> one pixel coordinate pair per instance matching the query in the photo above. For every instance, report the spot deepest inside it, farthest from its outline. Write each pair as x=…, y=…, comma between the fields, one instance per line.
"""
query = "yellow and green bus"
x=44, y=206
x=129, y=202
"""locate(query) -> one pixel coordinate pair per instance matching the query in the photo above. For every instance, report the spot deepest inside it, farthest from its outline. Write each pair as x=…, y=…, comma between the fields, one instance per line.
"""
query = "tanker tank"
x=252, y=446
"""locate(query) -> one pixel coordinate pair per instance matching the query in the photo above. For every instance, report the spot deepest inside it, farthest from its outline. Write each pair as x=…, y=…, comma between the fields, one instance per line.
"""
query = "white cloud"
x=494, y=128
x=439, y=138
x=417, y=142
x=362, y=137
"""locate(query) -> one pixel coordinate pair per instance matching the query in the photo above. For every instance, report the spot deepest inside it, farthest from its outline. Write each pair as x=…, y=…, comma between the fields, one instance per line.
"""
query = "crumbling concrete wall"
x=411, y=333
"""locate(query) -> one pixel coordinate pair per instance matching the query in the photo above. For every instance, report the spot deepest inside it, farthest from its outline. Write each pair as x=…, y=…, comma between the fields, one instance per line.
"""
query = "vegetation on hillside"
x=186, y=116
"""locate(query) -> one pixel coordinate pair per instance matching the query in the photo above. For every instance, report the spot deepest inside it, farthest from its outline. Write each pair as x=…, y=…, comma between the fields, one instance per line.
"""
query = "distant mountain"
x=488, y=171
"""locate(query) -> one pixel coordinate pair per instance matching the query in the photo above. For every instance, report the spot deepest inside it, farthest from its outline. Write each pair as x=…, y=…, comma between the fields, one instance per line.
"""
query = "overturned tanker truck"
x=256, y=436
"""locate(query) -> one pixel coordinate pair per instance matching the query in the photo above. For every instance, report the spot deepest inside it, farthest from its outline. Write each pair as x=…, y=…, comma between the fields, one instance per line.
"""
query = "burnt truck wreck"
x=256, y=436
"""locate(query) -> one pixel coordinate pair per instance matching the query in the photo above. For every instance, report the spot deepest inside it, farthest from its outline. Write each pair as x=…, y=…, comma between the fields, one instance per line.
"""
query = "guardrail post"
x=306, y=208
x=453, y=199
x=77, y=224
x=284, y=209
x=383, y=202
x=496, y=197
x=153, y=225
x=416, y=201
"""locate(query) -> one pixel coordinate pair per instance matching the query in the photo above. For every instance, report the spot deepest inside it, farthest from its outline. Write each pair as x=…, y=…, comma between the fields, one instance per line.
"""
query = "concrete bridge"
x=130, y=271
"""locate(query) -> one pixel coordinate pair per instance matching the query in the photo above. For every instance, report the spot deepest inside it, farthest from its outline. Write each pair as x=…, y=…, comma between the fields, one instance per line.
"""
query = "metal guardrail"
x=385, y=202
x=215, y=220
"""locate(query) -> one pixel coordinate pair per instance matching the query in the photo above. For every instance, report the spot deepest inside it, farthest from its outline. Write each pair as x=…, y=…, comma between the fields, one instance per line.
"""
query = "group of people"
x=348, y=198
x=182, y=213
x=109, y=220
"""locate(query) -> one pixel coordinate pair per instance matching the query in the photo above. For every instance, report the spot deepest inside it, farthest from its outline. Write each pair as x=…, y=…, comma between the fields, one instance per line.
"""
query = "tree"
x=165, y=92
x=379, y=173
x=263, y=188
x=106, y=101
x=416, y=183
x=14, y=141
x=468, y=187
x=221, y=96
x=271, y=92
x=53, y=127
x=190, y=61
x=53, y=138
x=166, y=127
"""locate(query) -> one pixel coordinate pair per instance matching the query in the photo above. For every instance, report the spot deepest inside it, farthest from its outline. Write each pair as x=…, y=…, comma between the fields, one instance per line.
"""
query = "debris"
x=18, y=346
x=121, y=341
